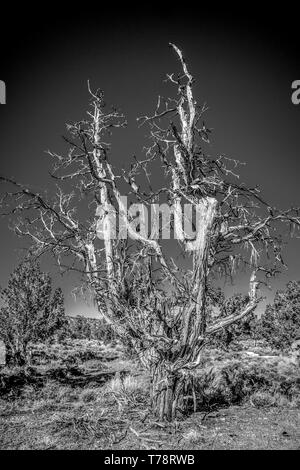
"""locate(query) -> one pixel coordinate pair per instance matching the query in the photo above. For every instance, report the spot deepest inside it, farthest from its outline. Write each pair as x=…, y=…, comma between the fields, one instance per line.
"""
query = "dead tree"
x=150, y=300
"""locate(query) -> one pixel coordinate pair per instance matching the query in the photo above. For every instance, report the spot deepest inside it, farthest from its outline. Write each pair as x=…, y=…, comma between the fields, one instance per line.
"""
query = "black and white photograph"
x=150, y=230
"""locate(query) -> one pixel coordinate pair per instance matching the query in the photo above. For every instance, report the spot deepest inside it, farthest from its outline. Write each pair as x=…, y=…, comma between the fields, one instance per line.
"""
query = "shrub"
x=262, y=399
x=88, y=396
x=233, y=379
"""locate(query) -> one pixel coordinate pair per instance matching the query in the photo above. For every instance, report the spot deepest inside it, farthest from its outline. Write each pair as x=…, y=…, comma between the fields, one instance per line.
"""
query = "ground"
x=101, y=402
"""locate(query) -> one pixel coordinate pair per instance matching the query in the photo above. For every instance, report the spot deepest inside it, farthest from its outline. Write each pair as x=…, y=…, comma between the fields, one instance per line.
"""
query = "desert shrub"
x=130, y=393
x=41, y=353
x=262, y=399
x=232, y=380
x=280, y=324
x=13, y=378
x=88, y=395
x=67, y=352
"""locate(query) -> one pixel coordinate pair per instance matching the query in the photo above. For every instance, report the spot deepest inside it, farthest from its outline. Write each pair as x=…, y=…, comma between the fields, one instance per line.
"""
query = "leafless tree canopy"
x=148, y=297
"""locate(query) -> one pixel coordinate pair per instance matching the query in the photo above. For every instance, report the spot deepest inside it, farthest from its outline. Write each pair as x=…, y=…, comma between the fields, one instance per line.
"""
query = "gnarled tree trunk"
x=166, y=392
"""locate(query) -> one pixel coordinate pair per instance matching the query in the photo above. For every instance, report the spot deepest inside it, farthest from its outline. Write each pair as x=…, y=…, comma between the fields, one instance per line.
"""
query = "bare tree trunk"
x=163, y=400
x=167, y=392
x=194, y=321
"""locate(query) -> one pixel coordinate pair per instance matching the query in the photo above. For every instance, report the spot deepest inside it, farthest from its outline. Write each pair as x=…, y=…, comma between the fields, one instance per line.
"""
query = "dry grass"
x=128, y=384
x=75, y=352
x=232, y=378
x=116, y=415
x=192, y=436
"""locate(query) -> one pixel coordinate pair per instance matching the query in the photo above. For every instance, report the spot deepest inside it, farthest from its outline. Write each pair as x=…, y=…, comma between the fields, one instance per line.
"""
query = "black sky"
x=244, y=63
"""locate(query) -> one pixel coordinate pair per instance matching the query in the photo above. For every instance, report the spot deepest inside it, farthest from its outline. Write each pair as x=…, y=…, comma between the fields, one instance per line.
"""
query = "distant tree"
x=81, y=327
x=280, y=324
x=29, y=311
x=220, y=308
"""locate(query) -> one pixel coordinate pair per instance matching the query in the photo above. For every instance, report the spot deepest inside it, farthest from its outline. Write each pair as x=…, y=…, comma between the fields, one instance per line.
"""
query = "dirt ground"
x=232, y=428
x=72, y=421
x=101, y=409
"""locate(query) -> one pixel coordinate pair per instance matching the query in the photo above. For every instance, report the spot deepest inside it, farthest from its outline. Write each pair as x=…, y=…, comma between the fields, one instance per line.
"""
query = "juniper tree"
x=156, y=304
x=30, y=311
x=279, y=325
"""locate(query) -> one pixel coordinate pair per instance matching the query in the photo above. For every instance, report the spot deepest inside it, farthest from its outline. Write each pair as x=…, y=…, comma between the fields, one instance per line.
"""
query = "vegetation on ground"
x=86, y=394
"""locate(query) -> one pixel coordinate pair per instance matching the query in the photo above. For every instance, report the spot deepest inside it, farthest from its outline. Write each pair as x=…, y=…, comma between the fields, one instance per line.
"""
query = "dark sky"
x=244, y=65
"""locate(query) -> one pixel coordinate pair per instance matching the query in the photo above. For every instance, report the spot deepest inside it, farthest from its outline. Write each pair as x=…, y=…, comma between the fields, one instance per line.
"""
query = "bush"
x=229, y=379
x=262, y=399
x=68, y=352
x=88, y=396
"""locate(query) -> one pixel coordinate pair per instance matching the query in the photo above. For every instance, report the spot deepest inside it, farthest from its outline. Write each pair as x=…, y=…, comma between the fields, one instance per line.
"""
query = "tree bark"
x=194, y=321
x=166, y=392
